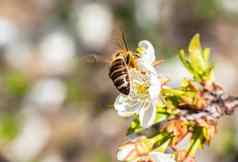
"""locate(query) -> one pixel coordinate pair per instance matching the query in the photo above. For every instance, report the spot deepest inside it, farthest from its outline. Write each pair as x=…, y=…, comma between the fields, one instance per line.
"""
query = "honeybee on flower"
x=145, y=88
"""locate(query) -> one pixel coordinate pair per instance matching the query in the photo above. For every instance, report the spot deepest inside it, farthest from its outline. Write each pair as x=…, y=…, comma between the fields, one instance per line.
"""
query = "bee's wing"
x=117, y=42
x=94, y=59
x=119, y=39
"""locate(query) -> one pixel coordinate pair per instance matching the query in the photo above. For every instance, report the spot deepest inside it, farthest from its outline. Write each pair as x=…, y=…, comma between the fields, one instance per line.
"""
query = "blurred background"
x=56, y=108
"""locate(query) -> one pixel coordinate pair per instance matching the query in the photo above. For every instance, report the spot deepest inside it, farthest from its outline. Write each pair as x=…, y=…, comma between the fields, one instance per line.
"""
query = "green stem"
x=196, y=142
x=162, y=140
x=159, y=138
x=164, y=146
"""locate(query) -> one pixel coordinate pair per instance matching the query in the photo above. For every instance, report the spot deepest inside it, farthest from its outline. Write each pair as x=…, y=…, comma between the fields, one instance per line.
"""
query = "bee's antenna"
x=124, y=40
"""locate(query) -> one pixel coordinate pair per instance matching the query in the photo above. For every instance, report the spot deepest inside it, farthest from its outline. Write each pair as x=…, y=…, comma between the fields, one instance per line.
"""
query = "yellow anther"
x=142, y=89
x=140, y=51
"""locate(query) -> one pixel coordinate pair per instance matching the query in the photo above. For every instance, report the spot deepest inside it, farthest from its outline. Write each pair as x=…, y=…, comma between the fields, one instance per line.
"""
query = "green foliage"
x=186, y=94
x=162, y=141
x=196, y=141
x=134, y=126
x=162, y=113
x=196, y=61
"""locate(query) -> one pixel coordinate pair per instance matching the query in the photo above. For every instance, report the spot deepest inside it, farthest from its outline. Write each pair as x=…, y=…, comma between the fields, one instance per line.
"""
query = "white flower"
x=142, y=100
x=155, y=157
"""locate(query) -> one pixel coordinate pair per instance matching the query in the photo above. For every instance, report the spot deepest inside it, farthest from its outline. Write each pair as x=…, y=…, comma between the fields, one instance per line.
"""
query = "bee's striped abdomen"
x=120, y=76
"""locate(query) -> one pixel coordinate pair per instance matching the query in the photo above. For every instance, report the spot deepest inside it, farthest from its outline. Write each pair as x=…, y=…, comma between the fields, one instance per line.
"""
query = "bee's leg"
x=158, y=62
x=163, y=81
x=127, y=59
x=132, y=62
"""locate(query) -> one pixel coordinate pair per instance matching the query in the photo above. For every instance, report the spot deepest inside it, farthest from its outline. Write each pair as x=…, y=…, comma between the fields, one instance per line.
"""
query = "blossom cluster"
x=164, y=116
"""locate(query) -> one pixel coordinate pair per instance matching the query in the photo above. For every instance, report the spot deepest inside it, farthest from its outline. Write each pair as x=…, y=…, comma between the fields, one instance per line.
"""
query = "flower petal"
x=125, y=106
x=147, y=115
x=136, y=75
x=133, y=149
x=146, y=66
x=125, y=152
x=161, y=157
x=148, y=54
x=154, y=89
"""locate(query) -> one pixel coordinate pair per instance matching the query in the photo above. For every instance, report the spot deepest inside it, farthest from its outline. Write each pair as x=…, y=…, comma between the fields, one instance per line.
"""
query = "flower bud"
x=133, y=149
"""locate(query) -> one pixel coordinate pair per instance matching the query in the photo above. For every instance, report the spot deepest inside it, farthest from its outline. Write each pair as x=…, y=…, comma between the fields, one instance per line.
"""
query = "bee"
x=122, y=60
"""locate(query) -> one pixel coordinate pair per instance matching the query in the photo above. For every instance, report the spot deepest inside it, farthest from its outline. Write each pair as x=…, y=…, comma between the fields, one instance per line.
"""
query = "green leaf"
x=194, y=43
x=210, y=72
x=206, y=54
x=185, y=61
x=196, y=142
x=197, y=60
x=163, y=147
x=160, y=116
x=162, y=140
x=134, y=126
x=172, y=92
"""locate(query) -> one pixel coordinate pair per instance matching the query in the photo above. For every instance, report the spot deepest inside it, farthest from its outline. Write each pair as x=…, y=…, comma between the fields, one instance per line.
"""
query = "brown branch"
x=218, y=106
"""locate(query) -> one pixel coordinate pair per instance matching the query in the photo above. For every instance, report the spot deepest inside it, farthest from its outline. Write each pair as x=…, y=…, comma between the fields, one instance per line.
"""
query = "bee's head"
x=145, y=50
